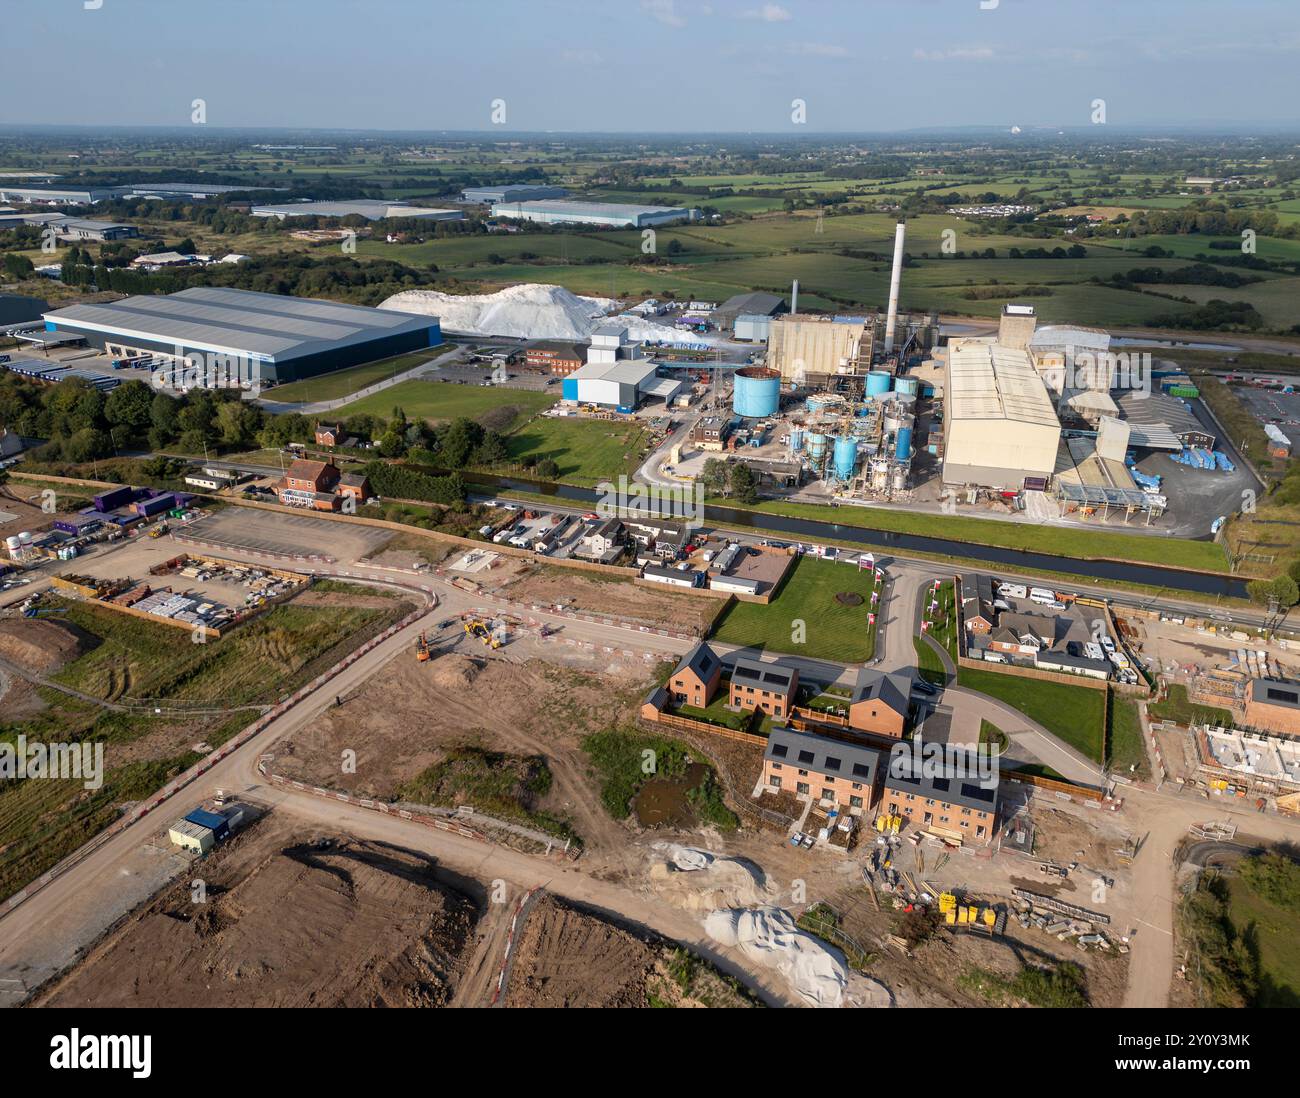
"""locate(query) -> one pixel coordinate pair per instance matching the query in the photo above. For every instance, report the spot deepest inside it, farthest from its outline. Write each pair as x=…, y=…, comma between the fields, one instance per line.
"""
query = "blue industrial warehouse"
x=281, y=338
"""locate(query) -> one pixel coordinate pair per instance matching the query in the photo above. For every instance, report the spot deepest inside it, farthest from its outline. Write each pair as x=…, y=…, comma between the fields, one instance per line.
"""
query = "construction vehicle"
x=158, y=530
x=422, y=648
x=476, y=627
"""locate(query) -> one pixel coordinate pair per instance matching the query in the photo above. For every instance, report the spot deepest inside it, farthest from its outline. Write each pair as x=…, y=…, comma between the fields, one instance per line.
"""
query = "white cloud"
x=817, y=49
x=769, y=13
x=665, y=11
x=961, y=53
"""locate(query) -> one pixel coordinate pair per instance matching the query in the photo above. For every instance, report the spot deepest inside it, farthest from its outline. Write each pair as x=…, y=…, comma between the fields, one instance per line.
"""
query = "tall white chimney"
x=891, y=320
x=794, y=297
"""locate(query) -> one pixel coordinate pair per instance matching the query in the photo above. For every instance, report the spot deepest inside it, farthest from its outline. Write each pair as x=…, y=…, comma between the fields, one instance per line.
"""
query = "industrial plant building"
x=280, y=338
x=1000, y=429
x=517, y=192
x=88, y=196
x=371, y=210
x=814, y=351
x=754, y=306
x=615, y=375
x=619, y=215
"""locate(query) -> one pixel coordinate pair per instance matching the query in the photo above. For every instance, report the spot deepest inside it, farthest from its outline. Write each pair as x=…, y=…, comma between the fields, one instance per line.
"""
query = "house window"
x=857, y=785
x=803, y=773
x=776, y=766
x=929, y=817
x=801, y=787
x=893, y=808
x=979, y=832
x=774, y=782
x=828, y=794
x=855, y=802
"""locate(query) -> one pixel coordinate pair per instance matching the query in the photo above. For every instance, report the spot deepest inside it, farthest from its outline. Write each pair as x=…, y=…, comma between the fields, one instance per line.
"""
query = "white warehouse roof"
x=988, y=381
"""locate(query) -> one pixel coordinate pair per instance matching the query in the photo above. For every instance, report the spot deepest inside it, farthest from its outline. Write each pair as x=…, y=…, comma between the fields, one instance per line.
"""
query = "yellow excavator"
x=476, y=627
x=422, y=649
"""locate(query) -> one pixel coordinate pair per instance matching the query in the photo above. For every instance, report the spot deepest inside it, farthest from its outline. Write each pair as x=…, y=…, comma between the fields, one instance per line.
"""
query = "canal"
x=1152, y=575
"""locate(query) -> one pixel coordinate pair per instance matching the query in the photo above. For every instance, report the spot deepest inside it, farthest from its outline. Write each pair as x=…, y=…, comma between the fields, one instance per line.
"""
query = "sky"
x=640, y=66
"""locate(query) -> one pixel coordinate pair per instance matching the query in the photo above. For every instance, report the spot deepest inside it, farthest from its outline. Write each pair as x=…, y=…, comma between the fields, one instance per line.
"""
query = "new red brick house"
x=310, y=484
x=695, y=680
x=771, y=687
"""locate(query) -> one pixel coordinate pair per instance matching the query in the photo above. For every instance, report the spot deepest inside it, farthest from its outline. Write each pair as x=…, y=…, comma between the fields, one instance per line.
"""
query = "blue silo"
x=757, y=393
x=796, y=440
x=906, y=385
x=816, y=446
x=903, y=444
x=846, y=457
x=878, y=383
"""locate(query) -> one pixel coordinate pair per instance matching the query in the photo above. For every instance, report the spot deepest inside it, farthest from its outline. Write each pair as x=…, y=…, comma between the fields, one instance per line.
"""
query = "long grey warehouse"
x=283, y=338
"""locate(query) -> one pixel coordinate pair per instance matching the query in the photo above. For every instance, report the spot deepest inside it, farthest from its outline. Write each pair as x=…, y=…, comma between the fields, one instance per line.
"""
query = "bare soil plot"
x=567, y=956
x=415, y=720
x=574, y=590
x=290, y=919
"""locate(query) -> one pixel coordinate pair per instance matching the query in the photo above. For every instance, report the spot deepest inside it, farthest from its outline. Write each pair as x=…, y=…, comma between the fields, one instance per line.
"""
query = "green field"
x=1178, y=709
x=831, y=631
x=1124, y=742
x=1272, y=932
x=587, y=451
x=341, y=383
x=442, y=400
x=129, y=660
x=1074, y=714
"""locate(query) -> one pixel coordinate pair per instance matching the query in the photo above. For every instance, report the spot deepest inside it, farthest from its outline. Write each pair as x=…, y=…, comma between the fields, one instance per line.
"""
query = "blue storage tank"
x=816, y=446
x=878, y=383
x=846, y=457
x=796, y=440
x=908, y=385
x=903, y=444
x=757, y=393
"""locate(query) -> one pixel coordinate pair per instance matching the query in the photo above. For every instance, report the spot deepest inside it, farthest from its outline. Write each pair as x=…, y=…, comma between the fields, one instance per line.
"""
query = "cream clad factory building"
x=1000, y=429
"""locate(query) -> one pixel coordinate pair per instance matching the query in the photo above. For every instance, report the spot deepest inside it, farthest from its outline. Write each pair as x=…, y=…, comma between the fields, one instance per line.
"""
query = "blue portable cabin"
x=218, y=825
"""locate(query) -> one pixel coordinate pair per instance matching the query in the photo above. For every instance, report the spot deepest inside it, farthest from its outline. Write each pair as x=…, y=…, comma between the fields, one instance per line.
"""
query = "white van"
x=1043, y=598
x=1012, y=590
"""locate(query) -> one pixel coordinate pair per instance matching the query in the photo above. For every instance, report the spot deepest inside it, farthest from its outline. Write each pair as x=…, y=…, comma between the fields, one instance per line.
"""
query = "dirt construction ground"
x=291, y=918
x=576, y=590
x=411, y=715
x=565, y=956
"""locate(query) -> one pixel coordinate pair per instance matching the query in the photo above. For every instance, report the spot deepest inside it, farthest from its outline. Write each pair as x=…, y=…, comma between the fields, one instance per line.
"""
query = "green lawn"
x=587, y=451
x=340, y=383
x=1127, y=753
x=1275, y=931
x=1178, y=709
x=442, y=400
x=928, y=662
x=830, y=631
x=1074, y=714
x=716, y=712
x=1073, y=543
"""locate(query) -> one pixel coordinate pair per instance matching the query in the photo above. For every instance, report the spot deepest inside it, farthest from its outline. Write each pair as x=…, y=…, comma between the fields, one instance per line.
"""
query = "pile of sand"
x=770, y=937
x=699, y=881
x=453, y=671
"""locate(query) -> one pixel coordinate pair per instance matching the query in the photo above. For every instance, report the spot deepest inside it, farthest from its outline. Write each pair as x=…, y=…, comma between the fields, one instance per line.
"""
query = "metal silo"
x=907, y=385
x=796, y=440
x=846, y=457
x=878, y=383
x=816, y=446
x=903, y=444
x=757, y=393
